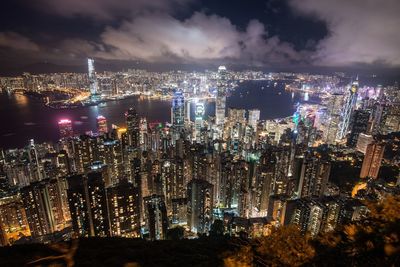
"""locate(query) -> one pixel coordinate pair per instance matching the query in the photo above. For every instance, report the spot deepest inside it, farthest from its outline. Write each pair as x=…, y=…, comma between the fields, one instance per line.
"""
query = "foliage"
x=374, y=241
x=175, y=233
x=217, y=228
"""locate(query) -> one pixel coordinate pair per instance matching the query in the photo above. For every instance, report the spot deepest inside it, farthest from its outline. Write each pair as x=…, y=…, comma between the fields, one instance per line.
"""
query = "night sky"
x=251, y=33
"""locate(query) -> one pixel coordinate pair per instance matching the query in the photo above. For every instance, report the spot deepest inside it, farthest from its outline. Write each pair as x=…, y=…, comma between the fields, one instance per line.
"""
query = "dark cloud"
x=109, y=9
x=360, y=31
x=15, y=41
x=158, y=38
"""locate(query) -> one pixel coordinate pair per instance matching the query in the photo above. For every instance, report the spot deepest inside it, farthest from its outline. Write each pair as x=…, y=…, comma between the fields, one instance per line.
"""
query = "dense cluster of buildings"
x=144, y=179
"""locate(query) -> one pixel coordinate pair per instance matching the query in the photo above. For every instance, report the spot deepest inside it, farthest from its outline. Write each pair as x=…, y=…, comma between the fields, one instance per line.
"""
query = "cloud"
x=78, y=48
x=109, y=9
x=201, y=38
x=16, y=41
x=360, y=31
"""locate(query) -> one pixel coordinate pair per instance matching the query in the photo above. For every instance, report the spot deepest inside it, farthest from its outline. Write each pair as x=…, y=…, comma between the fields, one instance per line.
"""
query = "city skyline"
x=200, y=133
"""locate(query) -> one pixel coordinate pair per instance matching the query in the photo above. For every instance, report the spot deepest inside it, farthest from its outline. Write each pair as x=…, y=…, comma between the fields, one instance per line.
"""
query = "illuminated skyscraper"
x=314, y=176
x=88, y=205
x=13, y=221
x=198, y=123
x=200, y=205
x=372, y=160
x=34, y=160
x=178, y=110
x=124, y=206
x=178, y=114
x=359, y=125
x=102, y=124
x=92, y=80
x=78, y=205
x=156, y=215
x=113, y=158
x=347, y=111
x=254, y=117
x=43, y=206
x=332, y=125
x=363, y=141
x=65, y=127
x=221, y=99
x=133, y=127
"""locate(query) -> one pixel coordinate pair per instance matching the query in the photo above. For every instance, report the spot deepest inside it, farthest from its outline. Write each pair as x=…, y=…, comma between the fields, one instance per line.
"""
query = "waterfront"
x=23, y=118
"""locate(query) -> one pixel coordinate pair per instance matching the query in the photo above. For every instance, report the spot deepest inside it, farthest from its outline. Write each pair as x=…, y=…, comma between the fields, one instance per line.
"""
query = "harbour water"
x=23, y=118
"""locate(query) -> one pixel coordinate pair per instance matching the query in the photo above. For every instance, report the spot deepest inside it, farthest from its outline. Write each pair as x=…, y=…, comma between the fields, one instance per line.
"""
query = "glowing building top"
x=92, y=77
x=102, y=124
x=65, y=126
x=221, y=68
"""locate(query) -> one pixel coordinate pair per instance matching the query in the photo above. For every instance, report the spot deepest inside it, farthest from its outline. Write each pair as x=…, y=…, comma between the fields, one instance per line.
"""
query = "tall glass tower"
x=348, y=110
x=198, y=123
x=92, y=80
x=133, y=127
x=178, y=110
x=221, y=99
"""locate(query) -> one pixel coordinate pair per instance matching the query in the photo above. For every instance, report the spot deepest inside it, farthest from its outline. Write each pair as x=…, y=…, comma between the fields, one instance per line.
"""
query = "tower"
x=199, y=113
x=88, y=205
x=314, y=176
x=92, y=80
x=178, y=114
x=178, y=110
x=347, y=111
x=332, y=124
x=124, y=206
x=372, y=160
x=200, y=205
x=102, y=125
x=254, y=117
x=156, y=213
x=133, y=127
x=221, y=99
x=359, y=125
x=65, y=127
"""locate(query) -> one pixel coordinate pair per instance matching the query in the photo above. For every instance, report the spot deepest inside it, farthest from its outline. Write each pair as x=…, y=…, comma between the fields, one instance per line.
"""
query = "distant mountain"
x=41, y=67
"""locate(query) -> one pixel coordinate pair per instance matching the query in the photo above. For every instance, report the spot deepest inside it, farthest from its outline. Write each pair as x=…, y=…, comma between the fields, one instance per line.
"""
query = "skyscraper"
x=200, y=205
x=113, y=158
x=314, y=176
x=332, y=124
x=359, y=125
x=178, y=110
x=254, y=117
x=78, y=205
x=221, y=99
x=124, y=208
x=43, y=206
x=156, y=216
x=34, y=160
x=133, y=127
x=92, y=81
x=65, y=127
x=88, y=205
x=13, y=221
x=372, y=160
x=102, y=125
x=198, y=123
x=98, y=204
x=347, y=111
x=363, y=141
